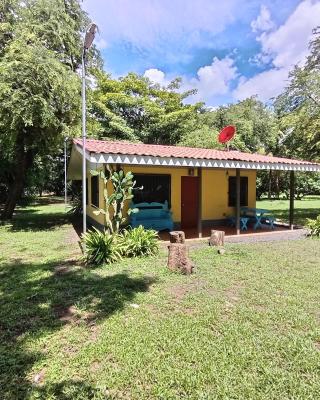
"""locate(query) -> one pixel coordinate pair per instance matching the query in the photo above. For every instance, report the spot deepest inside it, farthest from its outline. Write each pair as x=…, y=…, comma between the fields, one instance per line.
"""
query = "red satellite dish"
x=226, y=134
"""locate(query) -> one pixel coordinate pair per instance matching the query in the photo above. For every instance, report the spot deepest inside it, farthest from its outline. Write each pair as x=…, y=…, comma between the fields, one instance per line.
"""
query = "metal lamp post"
x=88, y=39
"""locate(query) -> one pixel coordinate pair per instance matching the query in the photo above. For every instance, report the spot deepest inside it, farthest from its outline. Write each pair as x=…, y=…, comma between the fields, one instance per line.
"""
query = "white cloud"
x=214, y=79
x=266, y=85
x=263, y=21
x=146, y=23
x=289, y=43
x=285, y=46
x=211, y=80
x=156, y=76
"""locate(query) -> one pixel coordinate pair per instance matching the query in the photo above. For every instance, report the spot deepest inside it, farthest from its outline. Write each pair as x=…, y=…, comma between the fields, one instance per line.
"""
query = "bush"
x=76, y=205
x=105, y=248
x=100, y=247
x=139, y=242
x=314, y=226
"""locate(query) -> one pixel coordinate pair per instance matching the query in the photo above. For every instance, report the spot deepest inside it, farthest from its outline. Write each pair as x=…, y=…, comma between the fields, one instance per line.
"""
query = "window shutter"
x=232, y=194
x=95, y=191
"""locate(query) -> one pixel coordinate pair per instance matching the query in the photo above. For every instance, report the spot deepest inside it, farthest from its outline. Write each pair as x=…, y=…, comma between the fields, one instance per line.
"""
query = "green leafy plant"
x=100, y=247
x=76, y=205
x=314, y=226
x=139, y=242
x=123, y=185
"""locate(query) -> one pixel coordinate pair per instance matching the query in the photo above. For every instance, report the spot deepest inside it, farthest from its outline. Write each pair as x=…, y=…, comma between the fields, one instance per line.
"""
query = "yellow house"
x=202, y=186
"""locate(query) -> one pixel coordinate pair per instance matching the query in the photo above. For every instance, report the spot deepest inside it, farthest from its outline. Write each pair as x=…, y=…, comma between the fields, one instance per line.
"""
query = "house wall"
x=100, y=219
x=214, y=191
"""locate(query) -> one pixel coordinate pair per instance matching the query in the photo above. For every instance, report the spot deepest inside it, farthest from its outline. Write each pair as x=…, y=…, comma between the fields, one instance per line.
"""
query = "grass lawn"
x=245, y=326
x=308, y=207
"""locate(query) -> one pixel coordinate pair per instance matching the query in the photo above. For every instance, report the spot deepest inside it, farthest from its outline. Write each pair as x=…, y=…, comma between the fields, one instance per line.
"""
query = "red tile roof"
x=140, y=149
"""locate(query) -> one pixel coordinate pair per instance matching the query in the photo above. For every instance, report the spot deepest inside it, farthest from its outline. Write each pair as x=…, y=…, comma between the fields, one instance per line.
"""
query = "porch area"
x=230, y=232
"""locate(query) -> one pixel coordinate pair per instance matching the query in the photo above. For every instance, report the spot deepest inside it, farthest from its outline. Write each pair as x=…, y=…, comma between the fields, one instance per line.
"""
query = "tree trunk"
x=178, y=259
x=177, y=237
x=23, y=161
x=216, y=238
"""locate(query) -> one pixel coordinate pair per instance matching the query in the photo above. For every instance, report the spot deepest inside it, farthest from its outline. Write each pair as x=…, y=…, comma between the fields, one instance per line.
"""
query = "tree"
x=39, y=85
x=46, y=175
x=136, y=109
x=298, y=107
x=205, y=137
x=257, y=127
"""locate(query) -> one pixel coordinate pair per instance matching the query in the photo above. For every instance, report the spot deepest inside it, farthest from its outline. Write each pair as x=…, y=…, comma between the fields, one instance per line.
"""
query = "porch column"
x=199, y=202
x=238, y=183
x=291, y=211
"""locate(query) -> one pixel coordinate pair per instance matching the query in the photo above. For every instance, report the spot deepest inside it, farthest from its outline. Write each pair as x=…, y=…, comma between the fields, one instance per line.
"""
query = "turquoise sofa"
x=154, y=215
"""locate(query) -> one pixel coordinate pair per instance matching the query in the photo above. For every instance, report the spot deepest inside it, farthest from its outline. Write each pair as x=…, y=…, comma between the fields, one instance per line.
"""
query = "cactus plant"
x=122, y=185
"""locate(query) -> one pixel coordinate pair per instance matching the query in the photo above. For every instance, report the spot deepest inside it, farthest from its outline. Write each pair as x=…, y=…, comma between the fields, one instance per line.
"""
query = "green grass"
x=246, y=325
x=308, y=207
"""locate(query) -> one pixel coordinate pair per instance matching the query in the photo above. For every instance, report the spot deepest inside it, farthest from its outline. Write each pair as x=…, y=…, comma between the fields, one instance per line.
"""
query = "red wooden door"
x=189, y=201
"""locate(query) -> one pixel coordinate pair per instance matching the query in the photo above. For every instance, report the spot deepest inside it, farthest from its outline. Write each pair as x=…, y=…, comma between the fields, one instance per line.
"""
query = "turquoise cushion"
x=150, y=213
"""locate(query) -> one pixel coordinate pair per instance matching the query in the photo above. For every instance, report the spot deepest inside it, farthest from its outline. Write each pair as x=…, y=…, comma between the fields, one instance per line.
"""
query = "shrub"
x=139, y=242
x=76, y=205
x=100, y=247
x=314, y=226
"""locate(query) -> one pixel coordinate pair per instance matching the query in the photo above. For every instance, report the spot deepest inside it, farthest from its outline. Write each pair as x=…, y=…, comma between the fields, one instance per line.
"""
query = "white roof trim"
x=104, y=158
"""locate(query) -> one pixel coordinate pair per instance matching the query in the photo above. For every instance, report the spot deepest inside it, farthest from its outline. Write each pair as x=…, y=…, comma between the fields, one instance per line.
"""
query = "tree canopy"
x=134, y=108
x=39, y=85
x=298, y=107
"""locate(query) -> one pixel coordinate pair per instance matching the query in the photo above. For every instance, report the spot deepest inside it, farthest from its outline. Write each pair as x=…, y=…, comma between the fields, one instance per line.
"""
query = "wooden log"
x=178, y=259
x=177, y=237
x=216, y=238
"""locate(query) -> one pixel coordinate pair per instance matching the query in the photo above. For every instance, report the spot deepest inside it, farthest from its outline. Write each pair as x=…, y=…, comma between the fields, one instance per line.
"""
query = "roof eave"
x=105, y=158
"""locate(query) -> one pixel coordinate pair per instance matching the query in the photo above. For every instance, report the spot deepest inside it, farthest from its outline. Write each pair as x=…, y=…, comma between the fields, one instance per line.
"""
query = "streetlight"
x=88, y=39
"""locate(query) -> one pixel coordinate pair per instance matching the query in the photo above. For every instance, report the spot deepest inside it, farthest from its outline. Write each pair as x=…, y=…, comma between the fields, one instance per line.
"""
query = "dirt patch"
x=260, y=308
x=66, y=266
x=72, y=239
x=317, y=316
x=94, y=333
x=317, y=345
x=70, y=314
x=95, y=366
x=65, y=313
x=17, y=260
x=71, y=350
x=61, y=270
x=233, y=293
x=178, y=292
x=38, y=379
x=232, y=297
x=152, y=309
x=188, y=311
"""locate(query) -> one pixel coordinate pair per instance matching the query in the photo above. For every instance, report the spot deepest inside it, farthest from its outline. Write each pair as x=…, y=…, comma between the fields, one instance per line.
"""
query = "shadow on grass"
x=37, y=300
x=300, y=214
x=70, y=390
x=42, y=201
x=32, y=220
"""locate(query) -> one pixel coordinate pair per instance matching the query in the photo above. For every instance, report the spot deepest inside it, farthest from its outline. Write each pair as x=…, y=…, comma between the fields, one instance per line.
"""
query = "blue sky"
x=226, y=49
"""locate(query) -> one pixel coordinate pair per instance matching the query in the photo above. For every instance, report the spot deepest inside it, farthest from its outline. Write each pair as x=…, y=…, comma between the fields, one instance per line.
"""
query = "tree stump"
x=216, y=238
x=177, y=237
x=178, y=259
